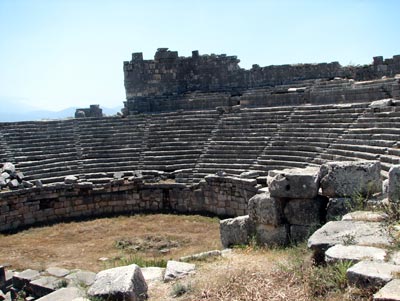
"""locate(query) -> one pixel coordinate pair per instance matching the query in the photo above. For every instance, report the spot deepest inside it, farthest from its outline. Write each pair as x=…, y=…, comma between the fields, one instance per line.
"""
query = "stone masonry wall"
x=168, y=81
x=226, y=196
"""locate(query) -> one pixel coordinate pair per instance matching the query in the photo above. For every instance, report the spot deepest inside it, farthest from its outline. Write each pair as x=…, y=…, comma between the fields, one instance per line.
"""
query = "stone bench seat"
x=232, y=153
x=292, y=157
x=177, y=137
x=179, y=147
x=394, y=151
x=317, y=142
x=321, y=131
x=45, y=174
x=392, y=160
x=151, y=161
x=45, y=164
x=322, y=125
x=285, y=164
x=384, y=125
x=369, y=139
x=160, y=157
x=374, y=131
x=277, y=147
x=353, y=154
x=66, y=156
x=289, y=152
x=360, y=148
x=221, y=166
x=189, y=152
x=229, y=171
x=233, y=160
x=310, y=134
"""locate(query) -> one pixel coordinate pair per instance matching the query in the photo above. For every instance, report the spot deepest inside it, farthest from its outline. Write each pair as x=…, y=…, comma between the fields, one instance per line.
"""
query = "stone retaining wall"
x=224, y=196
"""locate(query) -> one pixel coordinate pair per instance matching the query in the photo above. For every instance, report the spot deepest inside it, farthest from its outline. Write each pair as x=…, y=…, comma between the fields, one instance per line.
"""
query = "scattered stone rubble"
x=126, y=283
x=11, y=178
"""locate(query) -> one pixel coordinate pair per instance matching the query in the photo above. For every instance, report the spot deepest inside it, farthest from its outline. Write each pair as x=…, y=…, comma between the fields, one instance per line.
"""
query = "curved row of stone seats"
x=375, y=136
x=109, y=144
x=239, y=139
x=42, y=149
x=306, y=134
x=176, y=140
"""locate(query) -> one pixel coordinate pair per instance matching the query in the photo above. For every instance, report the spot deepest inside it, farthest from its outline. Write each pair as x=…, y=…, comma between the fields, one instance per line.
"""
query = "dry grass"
x=81, y=244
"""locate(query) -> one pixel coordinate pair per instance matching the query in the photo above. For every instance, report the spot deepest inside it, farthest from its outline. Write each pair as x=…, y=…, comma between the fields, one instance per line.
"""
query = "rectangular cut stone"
x=394, y=184
x=294, y=183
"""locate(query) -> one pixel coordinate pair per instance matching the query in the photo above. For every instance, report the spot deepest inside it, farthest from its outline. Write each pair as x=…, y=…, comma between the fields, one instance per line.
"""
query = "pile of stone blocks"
x=11, y=178
x=298, y=201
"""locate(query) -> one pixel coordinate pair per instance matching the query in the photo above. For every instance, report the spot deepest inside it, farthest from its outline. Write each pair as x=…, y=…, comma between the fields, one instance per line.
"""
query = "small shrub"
x=140, y=261
x=62, y=283
x=180, y=289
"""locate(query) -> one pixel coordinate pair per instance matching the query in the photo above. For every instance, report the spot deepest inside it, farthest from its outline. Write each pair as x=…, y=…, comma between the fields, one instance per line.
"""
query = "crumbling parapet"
x=92, y=111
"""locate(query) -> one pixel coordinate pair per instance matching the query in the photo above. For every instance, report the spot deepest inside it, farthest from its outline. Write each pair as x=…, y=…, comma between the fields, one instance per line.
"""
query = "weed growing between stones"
x=140, y=261
x=179, y=289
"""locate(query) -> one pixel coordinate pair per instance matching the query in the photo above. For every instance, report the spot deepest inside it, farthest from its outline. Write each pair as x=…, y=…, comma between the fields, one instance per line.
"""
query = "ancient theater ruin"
x=275, y=149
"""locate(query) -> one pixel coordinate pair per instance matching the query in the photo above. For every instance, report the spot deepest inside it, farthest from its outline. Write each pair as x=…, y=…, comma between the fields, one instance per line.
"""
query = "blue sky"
x=56, y=54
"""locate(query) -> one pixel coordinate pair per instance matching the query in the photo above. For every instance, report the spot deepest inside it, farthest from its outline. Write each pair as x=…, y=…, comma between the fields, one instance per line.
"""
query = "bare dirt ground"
x=82, y=244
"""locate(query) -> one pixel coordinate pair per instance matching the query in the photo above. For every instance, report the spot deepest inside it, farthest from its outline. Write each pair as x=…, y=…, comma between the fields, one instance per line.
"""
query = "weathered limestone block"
x=365, y=216
x=394, y=184
x=390, y=292
x=153, y=273
x=120, y=284
x=236, y=231
x=381, y=103
x=58, y=272
x=23, y=278
x=70, y=179
x=79, y=277
x=177, y=269
x=369, y=274
x=43, y=286
x=354, y=253
x=271, y=235
x=264, y=209
x=294, y=183
x=349, y=233
x=8, y=167
x=64, y=294
x=299, y=233
x=350, y=179
x=304, y=211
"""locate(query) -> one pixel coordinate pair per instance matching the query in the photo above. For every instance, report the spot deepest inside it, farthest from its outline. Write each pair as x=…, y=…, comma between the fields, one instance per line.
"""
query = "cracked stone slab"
x=177, y=269
x=57, y=272
x=354, y=253
x=64, y=294
x=369, y=274
x=390, y=292
x=349, y=233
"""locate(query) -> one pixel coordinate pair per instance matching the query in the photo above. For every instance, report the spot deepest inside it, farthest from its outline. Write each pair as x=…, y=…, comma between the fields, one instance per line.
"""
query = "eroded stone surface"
x=304, y=211
x=354, y=253
x=177, y=269
x=64, y=294
x=349, y=179
x=85, y=278
x=365, y=216
x=394, y=184
x=235, y=231
x=153, y=273
x=369, y=274
x=120, y=284
x=349, y=233
x=58, y=272
x=294, y=183
x=390, y=292
x=264, y=209
x=270, y=235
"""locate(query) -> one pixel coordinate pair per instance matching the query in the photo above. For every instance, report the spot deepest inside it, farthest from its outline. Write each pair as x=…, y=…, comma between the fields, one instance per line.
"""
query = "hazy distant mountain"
x=13, y=110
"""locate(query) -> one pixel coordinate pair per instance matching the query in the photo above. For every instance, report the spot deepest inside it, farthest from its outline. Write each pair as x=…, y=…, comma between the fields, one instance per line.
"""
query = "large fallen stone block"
x=354, y=254
x=369, y=274
x=294, y=183
x=177, y=269
x=394, y=184
x=264, y=209
x=351, y=179
x=305, y=211
x=390, y=292
x=120, y=284
x=64, y=294
x=348, y=233
x=236, y=231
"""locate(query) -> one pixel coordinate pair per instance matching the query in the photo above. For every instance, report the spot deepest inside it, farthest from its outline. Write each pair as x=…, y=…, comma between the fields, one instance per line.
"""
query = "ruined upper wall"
x=169, y=74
